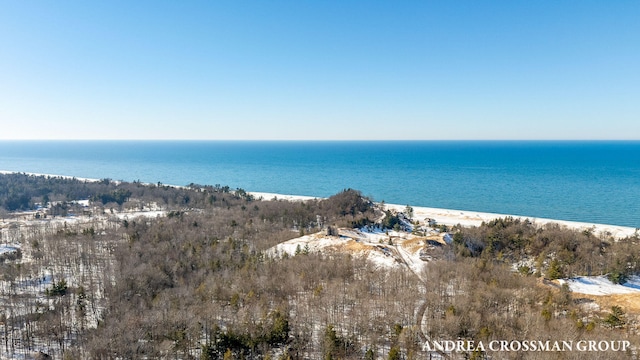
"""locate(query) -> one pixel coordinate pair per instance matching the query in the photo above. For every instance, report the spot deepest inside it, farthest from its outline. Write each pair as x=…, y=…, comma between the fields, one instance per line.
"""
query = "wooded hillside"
x=196, y=283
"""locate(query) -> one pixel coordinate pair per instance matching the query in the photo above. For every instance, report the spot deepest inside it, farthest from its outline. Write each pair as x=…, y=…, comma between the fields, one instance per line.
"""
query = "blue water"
x=596, y=182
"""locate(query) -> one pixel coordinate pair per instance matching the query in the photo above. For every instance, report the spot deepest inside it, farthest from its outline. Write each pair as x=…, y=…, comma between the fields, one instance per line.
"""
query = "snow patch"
x=384, y=249
x=7, y=249
x=600, y=285
x=135, y=214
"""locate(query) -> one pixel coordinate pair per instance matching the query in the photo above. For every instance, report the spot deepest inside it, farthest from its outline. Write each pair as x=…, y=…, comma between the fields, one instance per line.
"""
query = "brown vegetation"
x=197, y=284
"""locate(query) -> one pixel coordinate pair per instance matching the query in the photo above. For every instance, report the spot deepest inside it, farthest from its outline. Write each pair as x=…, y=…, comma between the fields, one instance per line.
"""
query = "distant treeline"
x=22, y=191
x=200, y=284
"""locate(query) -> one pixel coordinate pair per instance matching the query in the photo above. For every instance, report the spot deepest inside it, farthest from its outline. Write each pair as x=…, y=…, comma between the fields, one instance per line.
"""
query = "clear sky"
x=319, y=69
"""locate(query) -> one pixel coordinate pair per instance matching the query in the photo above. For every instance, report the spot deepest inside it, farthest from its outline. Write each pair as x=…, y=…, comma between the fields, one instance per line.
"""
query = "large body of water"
x=597, y=182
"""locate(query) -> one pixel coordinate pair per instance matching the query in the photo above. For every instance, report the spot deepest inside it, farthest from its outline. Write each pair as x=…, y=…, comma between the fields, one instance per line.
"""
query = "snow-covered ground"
x=134, y=214
x=9, y=248
x=23, y=289
x=473, y=218
x=404, y=251
x=447, y=217
x=600, y=285
x=452, y=217
x=386, y=249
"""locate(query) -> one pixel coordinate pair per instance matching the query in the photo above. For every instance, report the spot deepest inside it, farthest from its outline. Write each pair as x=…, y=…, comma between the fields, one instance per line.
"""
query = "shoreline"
x=452, y=217
x=449, y=217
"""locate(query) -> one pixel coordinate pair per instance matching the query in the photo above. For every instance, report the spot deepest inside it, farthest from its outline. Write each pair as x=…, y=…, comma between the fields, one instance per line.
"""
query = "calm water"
x=583, y=181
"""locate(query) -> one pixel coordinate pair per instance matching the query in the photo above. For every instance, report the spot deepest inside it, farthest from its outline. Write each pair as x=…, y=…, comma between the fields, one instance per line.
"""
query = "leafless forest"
x=194, y=281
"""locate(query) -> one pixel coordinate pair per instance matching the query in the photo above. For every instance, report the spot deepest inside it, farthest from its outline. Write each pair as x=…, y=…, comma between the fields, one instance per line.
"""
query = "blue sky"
x=319, y=70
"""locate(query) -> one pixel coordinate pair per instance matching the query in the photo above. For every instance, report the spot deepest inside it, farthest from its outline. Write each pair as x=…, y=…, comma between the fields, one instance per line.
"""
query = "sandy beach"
x=452, y=217
x=447, y=217
x=472, y=218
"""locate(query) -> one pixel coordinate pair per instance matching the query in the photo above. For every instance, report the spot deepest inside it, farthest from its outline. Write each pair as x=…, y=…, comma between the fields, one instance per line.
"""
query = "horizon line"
x=330, y=140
